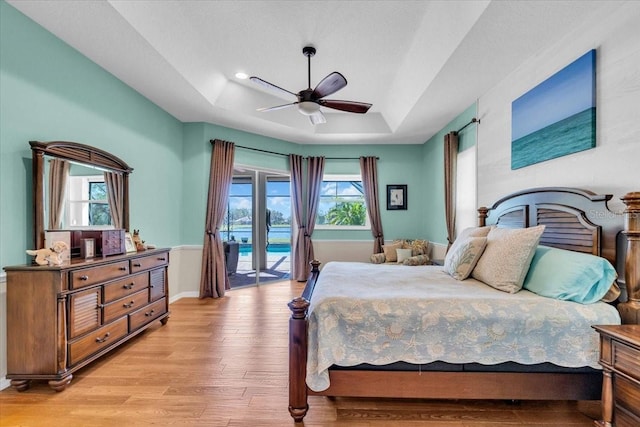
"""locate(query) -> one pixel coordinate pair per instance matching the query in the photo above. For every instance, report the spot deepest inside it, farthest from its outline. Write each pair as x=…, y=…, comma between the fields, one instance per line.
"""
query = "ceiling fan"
x=310, y=100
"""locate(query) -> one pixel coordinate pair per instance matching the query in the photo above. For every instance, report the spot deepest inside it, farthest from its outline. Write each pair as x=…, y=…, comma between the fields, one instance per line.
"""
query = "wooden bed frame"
x=575, y=219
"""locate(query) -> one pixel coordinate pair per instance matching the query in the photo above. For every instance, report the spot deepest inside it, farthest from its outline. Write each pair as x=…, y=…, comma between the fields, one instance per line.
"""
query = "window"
x=342, y=204
x=466, y=209
x=99, y=212
x=88, y=202
x=278, y=210
x=238, y=220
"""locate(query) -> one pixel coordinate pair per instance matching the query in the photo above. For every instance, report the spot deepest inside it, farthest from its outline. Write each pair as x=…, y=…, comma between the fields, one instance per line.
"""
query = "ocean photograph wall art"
x=557, y=117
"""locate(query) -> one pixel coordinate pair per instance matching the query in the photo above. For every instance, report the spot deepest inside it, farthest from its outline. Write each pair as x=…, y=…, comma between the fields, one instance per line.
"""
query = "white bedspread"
x=380, y=314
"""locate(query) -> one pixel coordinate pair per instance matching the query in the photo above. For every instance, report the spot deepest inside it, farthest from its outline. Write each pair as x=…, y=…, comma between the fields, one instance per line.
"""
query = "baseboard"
x=5, y=383
x=189, y=294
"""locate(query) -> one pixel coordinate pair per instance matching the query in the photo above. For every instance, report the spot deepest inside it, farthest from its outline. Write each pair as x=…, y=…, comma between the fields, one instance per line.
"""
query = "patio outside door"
x=256, y=229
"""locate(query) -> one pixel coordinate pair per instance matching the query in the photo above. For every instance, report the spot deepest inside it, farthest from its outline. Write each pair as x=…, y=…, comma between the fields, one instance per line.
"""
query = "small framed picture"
x=396, y=197
x=87, y=248
x=128, y=243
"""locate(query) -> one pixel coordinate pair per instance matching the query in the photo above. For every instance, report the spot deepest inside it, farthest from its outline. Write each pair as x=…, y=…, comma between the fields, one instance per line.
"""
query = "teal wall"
x=396, y=165
x=52, y=92
x=49, y=91
x=433, y=160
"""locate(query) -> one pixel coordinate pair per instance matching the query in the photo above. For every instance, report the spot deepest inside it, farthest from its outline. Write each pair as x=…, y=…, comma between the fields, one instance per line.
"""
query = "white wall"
x=613, y=167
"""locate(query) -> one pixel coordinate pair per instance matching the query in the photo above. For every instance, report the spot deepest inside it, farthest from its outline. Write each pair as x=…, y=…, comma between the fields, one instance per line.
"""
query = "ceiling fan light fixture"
x=308, y=107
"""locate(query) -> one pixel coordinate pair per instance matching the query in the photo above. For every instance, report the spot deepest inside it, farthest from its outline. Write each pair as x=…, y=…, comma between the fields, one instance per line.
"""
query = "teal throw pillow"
x=567, y=275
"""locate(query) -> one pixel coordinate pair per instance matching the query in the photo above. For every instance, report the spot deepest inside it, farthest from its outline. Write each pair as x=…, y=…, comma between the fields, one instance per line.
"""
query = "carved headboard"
x=579, y=220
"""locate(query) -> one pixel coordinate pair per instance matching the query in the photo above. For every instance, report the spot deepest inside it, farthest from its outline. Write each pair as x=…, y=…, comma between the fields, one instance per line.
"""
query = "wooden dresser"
x=59, y=319
x=620, y=359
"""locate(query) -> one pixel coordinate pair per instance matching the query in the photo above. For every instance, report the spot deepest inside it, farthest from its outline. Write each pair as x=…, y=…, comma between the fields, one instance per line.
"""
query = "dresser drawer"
x=97, y=340
x=157, y=284
x=84, y=311
x=149, y=262
x=626, y=359
x=93, y=275
x=124, y=287
x=626, y=393
x=147, y=314
x=125, y=305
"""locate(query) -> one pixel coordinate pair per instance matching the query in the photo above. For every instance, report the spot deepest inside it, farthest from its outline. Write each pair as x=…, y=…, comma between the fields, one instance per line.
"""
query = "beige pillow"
x=507, y=257
x=403, y=254
x=390, y=254
x=463, y=256
x=612, y=294
x=475, y=232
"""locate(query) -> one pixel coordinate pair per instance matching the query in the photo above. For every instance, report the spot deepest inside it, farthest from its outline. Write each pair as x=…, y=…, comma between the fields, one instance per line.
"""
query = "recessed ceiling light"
x=241, y=76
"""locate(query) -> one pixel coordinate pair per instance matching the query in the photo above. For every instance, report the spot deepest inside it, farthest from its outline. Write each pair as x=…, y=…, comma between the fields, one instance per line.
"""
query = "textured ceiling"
x=420, y=63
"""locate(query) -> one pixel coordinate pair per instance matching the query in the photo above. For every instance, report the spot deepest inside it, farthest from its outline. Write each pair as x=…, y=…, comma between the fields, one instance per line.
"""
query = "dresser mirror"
x=76, y=186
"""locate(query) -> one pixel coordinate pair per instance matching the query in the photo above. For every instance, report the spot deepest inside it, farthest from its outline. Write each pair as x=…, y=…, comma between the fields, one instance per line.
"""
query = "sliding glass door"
x=257, y=228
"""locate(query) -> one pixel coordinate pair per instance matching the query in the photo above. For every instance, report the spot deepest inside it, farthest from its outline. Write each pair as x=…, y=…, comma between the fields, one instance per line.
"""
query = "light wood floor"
x=224, y=362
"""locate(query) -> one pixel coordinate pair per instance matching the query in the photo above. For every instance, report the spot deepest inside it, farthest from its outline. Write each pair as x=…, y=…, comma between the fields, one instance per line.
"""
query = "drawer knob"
x=149, y=313
x=103, y=339
x=129, y=286
x=129, y=305
x=84, y=277
x=162, y=259
x=122, y=268
x=137, y=264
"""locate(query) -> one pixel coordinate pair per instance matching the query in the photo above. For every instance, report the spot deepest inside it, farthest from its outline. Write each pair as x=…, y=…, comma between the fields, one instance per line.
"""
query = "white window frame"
x=80, y=185
x=367, y=222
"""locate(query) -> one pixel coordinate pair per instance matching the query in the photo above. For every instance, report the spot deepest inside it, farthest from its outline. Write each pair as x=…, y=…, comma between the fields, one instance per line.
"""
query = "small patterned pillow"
x=378, y=258
x=463, y=256
x=418, y=247
x=417, y=260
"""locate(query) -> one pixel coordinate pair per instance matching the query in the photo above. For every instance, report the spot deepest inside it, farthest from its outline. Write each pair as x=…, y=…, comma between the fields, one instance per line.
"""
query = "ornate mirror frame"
x=75, y=152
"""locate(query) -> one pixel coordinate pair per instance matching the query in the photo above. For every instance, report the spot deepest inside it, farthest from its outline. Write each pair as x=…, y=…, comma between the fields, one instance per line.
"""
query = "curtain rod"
x=281, y=154
x=474, y=120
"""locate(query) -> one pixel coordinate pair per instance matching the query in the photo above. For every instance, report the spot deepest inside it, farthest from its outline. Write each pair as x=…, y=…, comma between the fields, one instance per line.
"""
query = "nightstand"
x=620, y=359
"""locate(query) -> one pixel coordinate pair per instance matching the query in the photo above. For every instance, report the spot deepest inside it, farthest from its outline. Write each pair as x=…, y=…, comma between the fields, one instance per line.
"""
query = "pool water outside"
x=279, y=239
x=245, y=248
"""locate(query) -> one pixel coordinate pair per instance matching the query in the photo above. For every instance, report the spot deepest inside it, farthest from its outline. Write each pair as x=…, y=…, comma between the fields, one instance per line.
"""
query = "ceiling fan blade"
x=271, y=86
x=277, y=107
x=317, y=118
x=349, y=106
x=330, y=84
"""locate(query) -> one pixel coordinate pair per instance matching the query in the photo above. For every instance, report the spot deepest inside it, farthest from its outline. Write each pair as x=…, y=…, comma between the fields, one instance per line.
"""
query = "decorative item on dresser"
x=620, y=358
x=60, y=318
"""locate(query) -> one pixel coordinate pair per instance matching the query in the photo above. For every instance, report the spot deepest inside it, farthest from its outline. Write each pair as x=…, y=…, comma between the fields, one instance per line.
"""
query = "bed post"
x=298, y=325
x=630, y=310
x=298, y=358
x=483, y=212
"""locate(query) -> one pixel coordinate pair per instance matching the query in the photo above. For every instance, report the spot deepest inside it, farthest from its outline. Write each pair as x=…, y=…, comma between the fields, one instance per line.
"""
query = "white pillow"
x=403, y=254
x=507, y=257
